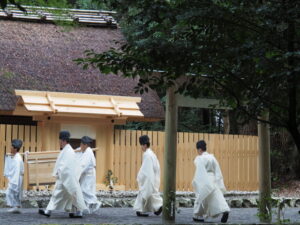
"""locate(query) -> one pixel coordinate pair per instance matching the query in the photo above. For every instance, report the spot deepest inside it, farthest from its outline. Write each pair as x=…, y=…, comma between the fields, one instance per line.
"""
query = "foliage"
x=189, y=120
x=43, y=3
x=264, y=210
x=81, y=4
x=284, y=157
x=89, y=4
x=243, y=52
x=110, y=179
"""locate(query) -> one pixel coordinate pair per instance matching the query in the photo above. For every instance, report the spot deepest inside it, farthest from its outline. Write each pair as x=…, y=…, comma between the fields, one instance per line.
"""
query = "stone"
x=236, y=203
x=2, y=203
x=287, y=202
x=185, y=202
x=130, y=202
x=297, y=203
x=29, y=204
x=249, y=203
x=107, y=202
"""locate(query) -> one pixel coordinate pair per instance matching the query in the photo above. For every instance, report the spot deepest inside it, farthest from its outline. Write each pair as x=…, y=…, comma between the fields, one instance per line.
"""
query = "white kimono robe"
x=148, y=178
x=88, y=179
x=67, y=192
x=209, y=187
x=14, y=171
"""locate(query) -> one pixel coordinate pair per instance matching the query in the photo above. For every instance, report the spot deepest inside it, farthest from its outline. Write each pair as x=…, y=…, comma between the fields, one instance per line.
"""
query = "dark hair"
x=86, y=140
x=16, y=144
x=64, y=136
x=144, y=140
x=201, y=144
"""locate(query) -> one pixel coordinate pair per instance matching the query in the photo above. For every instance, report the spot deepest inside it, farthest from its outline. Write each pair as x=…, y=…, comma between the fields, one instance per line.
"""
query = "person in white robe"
x=87, y=179
x=67, y=195
x=208, y=186
x=14, y=171
x=148, y=179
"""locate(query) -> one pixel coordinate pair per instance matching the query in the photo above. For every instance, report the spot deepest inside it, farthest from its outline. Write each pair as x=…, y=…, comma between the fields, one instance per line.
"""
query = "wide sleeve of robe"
x=14, y=168
x=218, y=175
x=88, y=160
x=146, y=177
x=202, y=184
x=7, y=166
x=67, y=169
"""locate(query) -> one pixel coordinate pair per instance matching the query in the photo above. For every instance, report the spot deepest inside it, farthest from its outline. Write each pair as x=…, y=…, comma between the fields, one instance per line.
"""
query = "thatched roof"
x=38, y=56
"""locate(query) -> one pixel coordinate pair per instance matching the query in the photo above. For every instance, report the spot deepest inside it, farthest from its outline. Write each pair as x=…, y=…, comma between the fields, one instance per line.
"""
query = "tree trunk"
x=226, y=121
x=233, y=121
x=265, y=210
x=206, y=118
x=169, y=196
x=295, y=135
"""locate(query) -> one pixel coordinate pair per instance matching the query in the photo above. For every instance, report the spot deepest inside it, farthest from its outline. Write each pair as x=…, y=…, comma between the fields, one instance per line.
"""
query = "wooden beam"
x=116, y=108
x=84, y=120
x=75, y=104
x=19, y=120
x=204, y=103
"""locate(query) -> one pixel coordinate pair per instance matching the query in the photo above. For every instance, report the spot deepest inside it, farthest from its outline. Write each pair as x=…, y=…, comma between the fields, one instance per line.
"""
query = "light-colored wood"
x=128, y=158
x=21, y=136
x=122, y=157
x=104, y=140
x=133, y=165
x=237, y=156
x=85, y=105
x=116, y=159
x=2, y=149
x=120, y=151
x=8, y=139
x=49, y=135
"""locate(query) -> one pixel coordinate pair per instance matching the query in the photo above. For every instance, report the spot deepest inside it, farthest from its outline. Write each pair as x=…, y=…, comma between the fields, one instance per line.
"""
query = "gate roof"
x=73, y=104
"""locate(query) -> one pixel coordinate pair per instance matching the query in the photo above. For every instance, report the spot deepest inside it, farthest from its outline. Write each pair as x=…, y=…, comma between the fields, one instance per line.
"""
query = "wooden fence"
x=30, y=135
x=237, y=155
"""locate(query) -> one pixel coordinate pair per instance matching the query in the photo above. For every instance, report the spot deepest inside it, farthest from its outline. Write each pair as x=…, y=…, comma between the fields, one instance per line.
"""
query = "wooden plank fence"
x=237, y=155
x=30, y=135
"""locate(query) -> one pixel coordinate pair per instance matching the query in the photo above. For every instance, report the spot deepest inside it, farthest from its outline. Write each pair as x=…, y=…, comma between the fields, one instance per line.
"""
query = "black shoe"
x=42, y=212
x=225, y=217
x=73, y=215
x=198, y=220
x=158, y=212
x=142, y=214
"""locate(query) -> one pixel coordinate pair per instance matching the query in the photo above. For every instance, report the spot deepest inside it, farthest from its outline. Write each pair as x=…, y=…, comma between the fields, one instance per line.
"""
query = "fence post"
x=170, y=157
x=265, y=210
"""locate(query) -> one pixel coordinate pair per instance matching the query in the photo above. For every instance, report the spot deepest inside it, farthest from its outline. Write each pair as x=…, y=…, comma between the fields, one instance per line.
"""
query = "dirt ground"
x=287, y=189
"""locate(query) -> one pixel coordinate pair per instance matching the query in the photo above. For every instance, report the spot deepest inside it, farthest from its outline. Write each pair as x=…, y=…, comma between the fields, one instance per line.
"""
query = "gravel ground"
x=127, y=216
x=288, y=189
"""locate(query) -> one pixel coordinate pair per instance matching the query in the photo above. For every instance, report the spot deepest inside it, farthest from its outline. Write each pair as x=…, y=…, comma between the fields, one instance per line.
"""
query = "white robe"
x=209, y=187
x=88, y=179
x=67, y=192
x=148, y=178
x=14, y=171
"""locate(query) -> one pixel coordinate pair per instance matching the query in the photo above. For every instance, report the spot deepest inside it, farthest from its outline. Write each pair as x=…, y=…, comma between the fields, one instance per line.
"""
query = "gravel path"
x=127, y=216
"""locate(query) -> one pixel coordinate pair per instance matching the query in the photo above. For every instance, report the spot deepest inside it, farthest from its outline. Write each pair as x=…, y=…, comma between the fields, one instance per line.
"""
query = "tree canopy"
x=244, y=52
